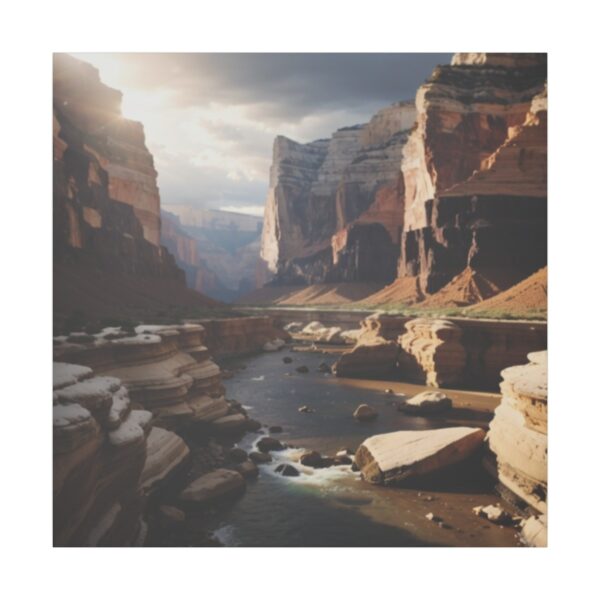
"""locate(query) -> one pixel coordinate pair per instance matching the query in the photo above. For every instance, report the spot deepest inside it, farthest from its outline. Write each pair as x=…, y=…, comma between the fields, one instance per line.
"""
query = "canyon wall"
x=447, y=195
x=106, y=204
x=219, y=251
x=331, y=212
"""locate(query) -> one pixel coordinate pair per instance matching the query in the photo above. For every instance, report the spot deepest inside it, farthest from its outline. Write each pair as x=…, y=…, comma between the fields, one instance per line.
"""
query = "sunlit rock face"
x=94, y=110
x=333, y=211
x=476, y=179
x=464, y=114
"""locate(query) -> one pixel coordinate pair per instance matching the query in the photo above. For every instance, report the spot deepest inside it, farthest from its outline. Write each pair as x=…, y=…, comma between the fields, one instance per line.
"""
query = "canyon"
x=440, y=203
x=166, y=400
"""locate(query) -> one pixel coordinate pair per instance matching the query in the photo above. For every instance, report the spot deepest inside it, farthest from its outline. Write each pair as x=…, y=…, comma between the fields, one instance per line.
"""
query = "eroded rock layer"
x=99, y=455
x=167, y=369
x=518, y=433
x=106, y=203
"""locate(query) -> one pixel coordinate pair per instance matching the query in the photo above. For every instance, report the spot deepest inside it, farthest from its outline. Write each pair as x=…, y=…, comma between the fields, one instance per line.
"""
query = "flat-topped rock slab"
x=391, y=458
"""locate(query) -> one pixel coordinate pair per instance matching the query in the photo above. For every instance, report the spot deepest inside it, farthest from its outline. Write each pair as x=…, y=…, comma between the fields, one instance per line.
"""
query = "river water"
x=333, y=506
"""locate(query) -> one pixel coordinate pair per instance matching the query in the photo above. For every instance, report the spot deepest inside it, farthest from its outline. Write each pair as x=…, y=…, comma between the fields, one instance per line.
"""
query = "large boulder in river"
x=390, y=458
x=365, y=413
x=268, y=444
x=313, y=327
x=214, y=486
x=230, y=424
x=426, y=403
x=373, y=359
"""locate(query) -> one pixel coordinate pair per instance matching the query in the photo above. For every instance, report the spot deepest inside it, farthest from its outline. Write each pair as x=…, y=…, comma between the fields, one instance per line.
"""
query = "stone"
x=260, y=457
x=306, y=409
x=311, y=459
x=274, y=345
x=294, y=327
x=426, y=403
x=247, y=469
x=171, y=514
x=392, y=458
x=431, y=517
x=302, y=369
x=230, y=424
x=342, y=459
x=535, y=531
x=253, y=425
x=364, y=412
x=287, y=360
x=287, y=470
x=324, y=368
x=518, y=434
x=275, y=429
x=494, y=514
x=375, y=358
x=269, y=444
x=217, y=485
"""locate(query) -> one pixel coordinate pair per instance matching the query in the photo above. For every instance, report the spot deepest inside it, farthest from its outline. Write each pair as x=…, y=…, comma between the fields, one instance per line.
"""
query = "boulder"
x=372, y=359
x=311, y=459
x=306, y=409
x=535, y=531
x=324, y=368
x=287, y=360
x=313, y=327
x=426, y=403
x=230, y=424
x=260, y=457
x=274, y=345
x=216, y=485
x=391, y=458
x=302, y=369
x=365, y=413
x=287, y=470
x=294, y=327
x=275, y=429
x=269, y=444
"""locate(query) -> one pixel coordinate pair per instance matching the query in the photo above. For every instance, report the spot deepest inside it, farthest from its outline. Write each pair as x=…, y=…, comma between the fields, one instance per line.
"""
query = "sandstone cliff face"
x=478, y=201
x=464, y=113
x=105, y=198
x=333, y=210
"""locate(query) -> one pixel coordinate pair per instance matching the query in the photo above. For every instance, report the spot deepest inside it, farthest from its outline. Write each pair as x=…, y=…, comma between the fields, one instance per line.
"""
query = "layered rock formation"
x=460, y=199
x=333, y=205
x=437, y=352
x=105, y=199
x=518, y=433
x=432, y=352
x=166, y=369
x=99, y=455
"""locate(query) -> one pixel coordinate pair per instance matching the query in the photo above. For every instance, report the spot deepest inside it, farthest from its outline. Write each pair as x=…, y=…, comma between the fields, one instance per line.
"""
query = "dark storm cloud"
x=283, y=86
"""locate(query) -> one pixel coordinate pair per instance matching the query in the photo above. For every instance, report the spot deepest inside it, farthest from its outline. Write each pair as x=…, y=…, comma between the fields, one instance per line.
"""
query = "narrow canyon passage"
x=333, y=506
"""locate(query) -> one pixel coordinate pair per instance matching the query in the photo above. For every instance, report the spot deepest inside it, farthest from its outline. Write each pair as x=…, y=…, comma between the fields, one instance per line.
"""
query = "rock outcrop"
x=518, y=433
x=99, y=454
x=391, y=458
x=240, y=335
x=466, y=352
x=167, y=370
x=432, y=352
x=106, y=203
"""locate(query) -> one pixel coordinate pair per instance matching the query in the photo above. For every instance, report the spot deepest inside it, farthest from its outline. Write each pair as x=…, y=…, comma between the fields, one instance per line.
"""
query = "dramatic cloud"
x=210, y=119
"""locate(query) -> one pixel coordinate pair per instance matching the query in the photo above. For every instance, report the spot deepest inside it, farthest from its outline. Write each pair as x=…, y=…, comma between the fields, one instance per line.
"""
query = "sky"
x=210, y=119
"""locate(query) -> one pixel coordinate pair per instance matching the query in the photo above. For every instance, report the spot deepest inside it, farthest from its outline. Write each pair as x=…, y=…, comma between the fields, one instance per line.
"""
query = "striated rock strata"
x=518, y=433
x=106, y=204
x=166, y=369
x=432, y=352
x=334, y=208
